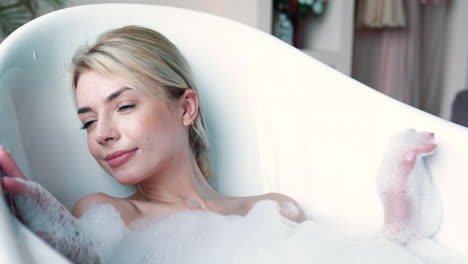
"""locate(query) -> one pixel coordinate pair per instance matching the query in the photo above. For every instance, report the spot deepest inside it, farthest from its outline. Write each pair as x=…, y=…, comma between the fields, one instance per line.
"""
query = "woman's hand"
x=9, y=168
x=411, y=209
x=44, y=215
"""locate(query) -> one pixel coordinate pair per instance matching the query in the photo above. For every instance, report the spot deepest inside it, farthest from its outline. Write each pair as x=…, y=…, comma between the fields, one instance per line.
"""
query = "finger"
x=421, y=148
x=412, y=136
x=426, y=135
x=19, y=187
x=408, y=161
x=13, y=186
x=421, y=137
x=8, y=164
x=43, y=235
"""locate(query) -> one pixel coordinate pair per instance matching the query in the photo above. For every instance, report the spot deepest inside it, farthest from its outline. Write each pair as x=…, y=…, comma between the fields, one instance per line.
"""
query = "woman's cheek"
x=130, y=131
x=142, y=128
x=92, y=148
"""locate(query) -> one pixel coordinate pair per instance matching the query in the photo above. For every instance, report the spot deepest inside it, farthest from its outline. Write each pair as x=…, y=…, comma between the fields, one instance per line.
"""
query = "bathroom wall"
x=329, y=37
x=256, y=13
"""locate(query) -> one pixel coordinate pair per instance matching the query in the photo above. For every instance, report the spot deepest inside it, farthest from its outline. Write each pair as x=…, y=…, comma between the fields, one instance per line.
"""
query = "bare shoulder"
x=90, y=200
x=289, y=207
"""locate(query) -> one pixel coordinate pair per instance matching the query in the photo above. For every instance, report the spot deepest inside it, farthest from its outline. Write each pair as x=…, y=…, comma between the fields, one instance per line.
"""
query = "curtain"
x=402, y=53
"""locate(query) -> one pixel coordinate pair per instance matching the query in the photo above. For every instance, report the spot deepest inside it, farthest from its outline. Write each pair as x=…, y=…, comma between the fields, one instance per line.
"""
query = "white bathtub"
x=279, y=121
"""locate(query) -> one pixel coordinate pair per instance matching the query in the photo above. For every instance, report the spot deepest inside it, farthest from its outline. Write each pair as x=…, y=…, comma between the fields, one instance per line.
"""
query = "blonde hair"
x=145, y=58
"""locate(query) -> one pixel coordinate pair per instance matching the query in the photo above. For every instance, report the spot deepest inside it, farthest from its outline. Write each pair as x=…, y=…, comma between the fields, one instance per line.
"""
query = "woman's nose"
x=106, y=132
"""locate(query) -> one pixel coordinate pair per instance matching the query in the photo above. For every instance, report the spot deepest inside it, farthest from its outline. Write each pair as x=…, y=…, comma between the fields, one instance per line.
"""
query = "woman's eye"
x=87, y=124
x=126, y=107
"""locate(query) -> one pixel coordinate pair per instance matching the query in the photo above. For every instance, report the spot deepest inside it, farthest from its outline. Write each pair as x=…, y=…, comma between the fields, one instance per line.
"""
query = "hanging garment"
x=380, y=13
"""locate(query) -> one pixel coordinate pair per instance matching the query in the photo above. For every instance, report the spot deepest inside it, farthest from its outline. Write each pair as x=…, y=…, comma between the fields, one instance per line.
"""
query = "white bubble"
x=43, y=214
x=262, y=236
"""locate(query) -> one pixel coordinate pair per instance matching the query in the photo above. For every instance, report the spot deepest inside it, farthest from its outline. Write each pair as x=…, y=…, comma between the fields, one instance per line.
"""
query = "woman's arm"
x=46, y=216
x=405, y=189
x=289, y=208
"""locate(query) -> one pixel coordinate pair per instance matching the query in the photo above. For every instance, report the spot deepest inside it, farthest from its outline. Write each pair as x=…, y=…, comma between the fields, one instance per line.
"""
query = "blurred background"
x=415, y=51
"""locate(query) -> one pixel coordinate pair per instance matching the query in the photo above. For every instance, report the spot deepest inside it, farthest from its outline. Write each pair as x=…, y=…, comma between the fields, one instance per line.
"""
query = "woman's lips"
x=119, y=157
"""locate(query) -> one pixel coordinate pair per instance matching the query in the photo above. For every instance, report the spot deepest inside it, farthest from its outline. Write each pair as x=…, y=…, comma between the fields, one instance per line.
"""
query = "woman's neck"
x=179, y=182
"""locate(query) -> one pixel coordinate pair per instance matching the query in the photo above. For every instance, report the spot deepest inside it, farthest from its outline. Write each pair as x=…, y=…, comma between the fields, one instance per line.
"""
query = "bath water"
x=265, y=236
x=262, y=236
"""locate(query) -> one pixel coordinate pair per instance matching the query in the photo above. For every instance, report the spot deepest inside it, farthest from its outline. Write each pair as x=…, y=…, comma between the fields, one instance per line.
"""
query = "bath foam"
x=104, y=226
x=262, y=236
x=51, y=221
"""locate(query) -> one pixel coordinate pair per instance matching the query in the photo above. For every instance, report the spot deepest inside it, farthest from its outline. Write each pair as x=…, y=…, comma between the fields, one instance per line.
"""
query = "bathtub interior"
x=279, y=121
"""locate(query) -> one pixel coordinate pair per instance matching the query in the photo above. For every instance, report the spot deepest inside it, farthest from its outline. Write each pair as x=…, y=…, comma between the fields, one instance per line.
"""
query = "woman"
x=138, y=103
x=145, y=127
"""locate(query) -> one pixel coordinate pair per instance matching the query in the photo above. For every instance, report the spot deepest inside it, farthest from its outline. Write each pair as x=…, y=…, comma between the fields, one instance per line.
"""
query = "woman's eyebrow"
x=84, y=110
x=116, y=94
x=109, y=99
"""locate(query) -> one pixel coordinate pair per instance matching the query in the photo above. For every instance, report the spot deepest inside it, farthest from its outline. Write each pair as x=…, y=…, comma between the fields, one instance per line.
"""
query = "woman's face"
x=131, y=135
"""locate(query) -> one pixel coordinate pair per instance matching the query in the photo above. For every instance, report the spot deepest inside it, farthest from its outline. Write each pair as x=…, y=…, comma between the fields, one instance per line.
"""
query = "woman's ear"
x=189, y=103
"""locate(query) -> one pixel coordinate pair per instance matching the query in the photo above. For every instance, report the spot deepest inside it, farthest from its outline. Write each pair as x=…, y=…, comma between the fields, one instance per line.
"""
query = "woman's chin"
x=122, y=176
x=126, y=179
